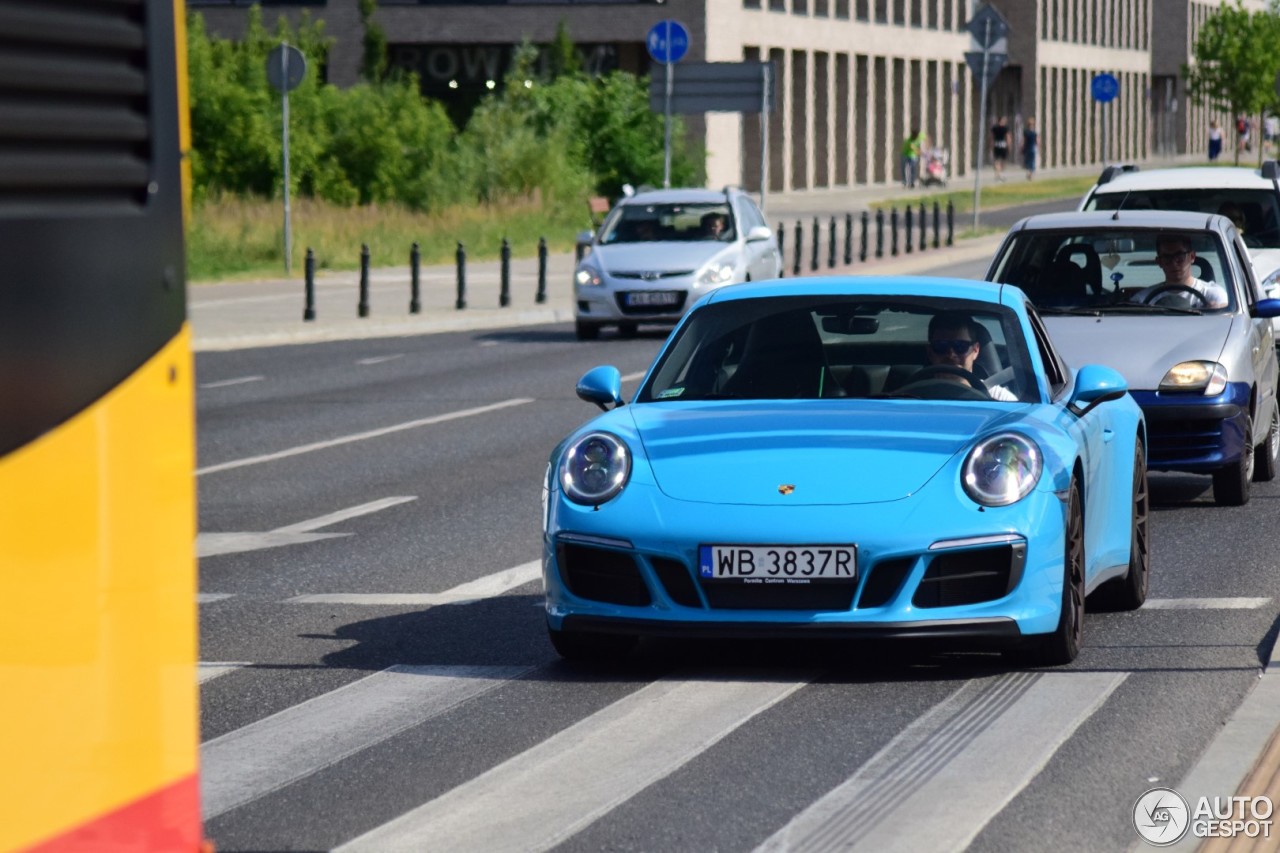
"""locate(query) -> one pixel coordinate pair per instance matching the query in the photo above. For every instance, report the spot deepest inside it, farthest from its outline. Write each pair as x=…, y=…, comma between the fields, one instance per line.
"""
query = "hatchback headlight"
x=595, y=468
x=588, y=275
x=716, y=274
x=1206, y=377
x=1002, y=469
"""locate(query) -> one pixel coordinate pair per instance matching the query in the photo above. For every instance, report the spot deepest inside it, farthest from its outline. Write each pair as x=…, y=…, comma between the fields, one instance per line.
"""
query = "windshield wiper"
x=1140, y=308
x=1074, y=312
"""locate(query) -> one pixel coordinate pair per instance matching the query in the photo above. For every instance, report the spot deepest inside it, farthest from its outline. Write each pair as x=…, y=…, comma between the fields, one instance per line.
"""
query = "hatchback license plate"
x=652, y=297
x=778, y=564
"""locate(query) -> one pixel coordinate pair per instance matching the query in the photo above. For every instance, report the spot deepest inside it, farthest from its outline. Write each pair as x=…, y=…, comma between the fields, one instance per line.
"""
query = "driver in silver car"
x=953, y=342
x=1175, y=255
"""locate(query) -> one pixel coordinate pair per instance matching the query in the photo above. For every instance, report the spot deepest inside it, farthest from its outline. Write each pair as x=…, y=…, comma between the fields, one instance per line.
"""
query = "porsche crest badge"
x=786, y=489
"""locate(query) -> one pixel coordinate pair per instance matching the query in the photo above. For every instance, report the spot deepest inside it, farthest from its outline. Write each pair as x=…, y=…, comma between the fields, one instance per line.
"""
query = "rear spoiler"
x=1112, y=171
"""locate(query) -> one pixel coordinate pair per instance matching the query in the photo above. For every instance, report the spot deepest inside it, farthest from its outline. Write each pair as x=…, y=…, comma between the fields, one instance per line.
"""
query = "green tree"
x=1234, y=62
x=564, y=57
x=373, y=66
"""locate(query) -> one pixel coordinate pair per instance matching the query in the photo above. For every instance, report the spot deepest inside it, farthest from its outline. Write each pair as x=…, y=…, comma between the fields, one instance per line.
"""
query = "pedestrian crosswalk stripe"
x=209, y=670
x=1205, y=603
x=546, y=794
x=245, y=764
x=938, y=783
x=485, y=587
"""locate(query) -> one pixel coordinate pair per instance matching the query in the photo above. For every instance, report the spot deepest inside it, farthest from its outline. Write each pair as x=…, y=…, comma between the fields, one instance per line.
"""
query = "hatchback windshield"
x=820, y=347
x=646, y=223
x=1256, y=213
x=1118, y=270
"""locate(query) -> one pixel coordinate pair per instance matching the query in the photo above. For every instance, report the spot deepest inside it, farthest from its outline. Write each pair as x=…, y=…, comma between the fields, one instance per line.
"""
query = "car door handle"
x=1108, y=434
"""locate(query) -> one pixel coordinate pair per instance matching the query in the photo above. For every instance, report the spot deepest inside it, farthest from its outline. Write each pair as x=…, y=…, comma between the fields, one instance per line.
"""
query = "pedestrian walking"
x=1030, y=147
x=911, y=149
x=1000, y=146
x=1215, y=140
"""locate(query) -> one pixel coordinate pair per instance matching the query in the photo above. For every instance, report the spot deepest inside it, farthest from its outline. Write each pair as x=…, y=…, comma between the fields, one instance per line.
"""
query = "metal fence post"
x=813, y=256
x=862, y=243
x=462, y=277
x=795, y=263
x=363, y=308
x=504, y=294
x=910, y=227
x=893, y=231
x=880, y=232
x=309, y=288
x=415, y=270
x=923, y=222
x=937, y=225
x=782, y=250
x=831, y=243
x=848, y=239
x=951, y=221
x=542, y=271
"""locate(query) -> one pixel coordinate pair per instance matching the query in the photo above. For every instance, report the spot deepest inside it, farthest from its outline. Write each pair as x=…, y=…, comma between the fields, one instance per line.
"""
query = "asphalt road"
x=376, y=671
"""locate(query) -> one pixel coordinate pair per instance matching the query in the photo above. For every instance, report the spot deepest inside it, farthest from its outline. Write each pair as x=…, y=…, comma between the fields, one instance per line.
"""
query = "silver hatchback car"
x=658, y=252
x=1199, y=356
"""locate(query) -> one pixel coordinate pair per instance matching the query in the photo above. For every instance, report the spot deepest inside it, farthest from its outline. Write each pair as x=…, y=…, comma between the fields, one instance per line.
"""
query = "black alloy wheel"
x=1062, y=646
x=1130, y=591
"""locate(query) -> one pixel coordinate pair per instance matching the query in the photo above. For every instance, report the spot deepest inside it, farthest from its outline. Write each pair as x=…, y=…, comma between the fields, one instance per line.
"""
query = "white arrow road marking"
x=546, y=794
x=486, y=587
x=938, y=783
x=379, y=359
x=1205, y=603
x=223, y=383
x=245, y=764
x=213, y=544
x=362, y=436
x=211, y=670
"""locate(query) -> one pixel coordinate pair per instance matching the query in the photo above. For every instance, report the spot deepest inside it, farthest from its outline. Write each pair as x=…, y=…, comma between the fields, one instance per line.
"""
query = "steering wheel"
x=933, y=379
x=1181, y=289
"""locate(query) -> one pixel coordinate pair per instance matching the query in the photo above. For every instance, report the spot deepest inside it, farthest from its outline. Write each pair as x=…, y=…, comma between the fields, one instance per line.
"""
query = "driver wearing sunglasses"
x=953, y=342
x=1176, y=257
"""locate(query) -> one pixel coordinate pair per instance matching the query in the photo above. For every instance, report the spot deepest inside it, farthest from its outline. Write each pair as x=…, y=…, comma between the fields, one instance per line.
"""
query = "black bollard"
x=415, y=279
x=462, y=277
x=363, y=308
x=795, y=265
x=880, y=233
x=862, y=246
x=848, y=239
x=504, y=294
x=309, y=286
x=923, y=221
x=782, y=250
x=951, y=221
x=542, y=271
x=910, y=228
x=893, y=231
x=937, y=225
x=813, y=256
x=831, y=244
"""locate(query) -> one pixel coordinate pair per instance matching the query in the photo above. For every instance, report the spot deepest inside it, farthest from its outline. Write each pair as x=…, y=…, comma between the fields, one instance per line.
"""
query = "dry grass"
x=1013, y=191
x=234, y=238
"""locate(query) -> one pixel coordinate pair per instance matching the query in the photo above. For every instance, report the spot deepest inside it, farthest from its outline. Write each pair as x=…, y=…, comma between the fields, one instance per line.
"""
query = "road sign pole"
x=288, y=232
x=764, y=135
x=666, y=124
x=982, y=124
x=1105, y=141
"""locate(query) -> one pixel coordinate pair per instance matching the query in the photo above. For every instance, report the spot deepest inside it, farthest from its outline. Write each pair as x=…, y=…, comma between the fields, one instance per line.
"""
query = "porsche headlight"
x=1206, y=377
x=588, y=275
x=595, y=468
x=1002, y=469
x=716, y=274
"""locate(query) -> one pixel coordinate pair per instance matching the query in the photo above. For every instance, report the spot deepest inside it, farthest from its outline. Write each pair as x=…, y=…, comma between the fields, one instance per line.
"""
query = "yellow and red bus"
x=99, y=730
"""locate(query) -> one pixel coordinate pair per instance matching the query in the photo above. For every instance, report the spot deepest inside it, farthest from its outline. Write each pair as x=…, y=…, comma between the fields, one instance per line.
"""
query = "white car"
x=660, y=251
x=1266, y=269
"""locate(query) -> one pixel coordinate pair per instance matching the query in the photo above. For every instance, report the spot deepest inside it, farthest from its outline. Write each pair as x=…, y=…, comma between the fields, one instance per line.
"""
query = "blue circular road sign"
x=668, y=41
x=1105, y=87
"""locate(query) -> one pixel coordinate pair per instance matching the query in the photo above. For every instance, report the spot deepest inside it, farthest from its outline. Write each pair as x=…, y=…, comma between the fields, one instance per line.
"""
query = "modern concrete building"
x=853, y=77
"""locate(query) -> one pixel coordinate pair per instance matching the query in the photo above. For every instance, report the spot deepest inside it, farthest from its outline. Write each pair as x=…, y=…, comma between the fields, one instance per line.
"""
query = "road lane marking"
x=1205, y=603
x=942, y=779
x=633, y=376
x=486, y=587
x=379, y=359
x=214, y=544
x=362, y=436
x=543, y=796
x=207, y=671
x=245, y=764
x=210, y=597
x=223, y=383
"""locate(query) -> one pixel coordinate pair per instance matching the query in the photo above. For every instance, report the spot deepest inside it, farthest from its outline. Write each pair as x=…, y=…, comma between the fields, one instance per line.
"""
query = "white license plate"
x=652, y=297
x=778, y=564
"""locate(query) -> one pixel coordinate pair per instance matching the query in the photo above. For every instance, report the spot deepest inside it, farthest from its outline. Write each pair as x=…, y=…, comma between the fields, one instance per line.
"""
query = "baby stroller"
x=933, y=168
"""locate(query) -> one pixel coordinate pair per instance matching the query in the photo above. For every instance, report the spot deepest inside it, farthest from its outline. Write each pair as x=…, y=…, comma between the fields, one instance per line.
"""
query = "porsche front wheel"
x=1130, y=591
x=1062, y=646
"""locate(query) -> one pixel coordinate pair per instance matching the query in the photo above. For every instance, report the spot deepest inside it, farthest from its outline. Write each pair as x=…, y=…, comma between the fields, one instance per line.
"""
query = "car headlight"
x=717, y=273
x=1002, y=469
x=588, y=275
x=595, y=468
x=1207, y=377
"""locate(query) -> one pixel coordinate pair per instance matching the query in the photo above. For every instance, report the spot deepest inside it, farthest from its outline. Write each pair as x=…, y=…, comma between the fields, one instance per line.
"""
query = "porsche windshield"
x=813, y=347
x=1117, y=271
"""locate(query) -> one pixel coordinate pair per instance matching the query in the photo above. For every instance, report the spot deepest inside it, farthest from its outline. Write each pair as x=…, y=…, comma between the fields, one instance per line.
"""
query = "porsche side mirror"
x=1096, y=384
x=602, y=386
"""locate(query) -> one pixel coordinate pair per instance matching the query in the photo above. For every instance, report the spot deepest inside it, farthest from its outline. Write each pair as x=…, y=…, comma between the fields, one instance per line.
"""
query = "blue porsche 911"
x=850, y=457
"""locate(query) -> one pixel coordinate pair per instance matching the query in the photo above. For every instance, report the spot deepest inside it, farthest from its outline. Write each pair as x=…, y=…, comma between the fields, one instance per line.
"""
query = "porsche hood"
x=807, y=452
